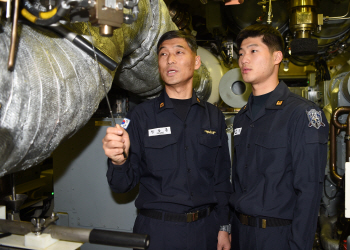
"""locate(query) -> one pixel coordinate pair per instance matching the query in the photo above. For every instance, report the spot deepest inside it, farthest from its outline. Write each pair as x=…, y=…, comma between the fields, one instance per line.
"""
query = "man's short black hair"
x=191, y=40
x=270, y=36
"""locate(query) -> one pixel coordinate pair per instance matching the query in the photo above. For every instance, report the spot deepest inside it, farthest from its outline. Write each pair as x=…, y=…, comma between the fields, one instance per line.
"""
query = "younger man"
x=280, y=153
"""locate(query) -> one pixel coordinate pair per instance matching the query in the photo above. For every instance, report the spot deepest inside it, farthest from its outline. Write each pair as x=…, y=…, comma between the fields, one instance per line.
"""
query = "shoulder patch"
x=125, y=123
x=315, y=118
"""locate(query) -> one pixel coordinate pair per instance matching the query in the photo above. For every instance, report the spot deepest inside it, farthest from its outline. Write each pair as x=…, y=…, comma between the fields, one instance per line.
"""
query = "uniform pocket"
x=271, y=152
x=161, y=152
x=207, y=150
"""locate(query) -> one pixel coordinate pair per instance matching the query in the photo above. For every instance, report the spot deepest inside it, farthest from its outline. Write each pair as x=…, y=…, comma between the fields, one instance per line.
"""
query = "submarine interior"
x=71, y=68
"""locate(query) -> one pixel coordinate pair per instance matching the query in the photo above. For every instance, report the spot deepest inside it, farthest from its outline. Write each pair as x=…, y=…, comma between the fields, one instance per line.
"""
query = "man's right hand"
x=115, y=143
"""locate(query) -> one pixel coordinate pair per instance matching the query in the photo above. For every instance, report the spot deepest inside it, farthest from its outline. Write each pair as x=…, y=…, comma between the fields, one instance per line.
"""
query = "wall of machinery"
x=71, y=68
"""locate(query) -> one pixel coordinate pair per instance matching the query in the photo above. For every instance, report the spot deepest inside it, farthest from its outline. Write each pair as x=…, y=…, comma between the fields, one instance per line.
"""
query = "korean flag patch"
x=125, y=123
x=315, y=119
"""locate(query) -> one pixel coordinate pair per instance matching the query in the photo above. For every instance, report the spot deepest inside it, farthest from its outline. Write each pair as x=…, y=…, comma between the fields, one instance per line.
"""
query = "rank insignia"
x=161, y=105
x=279, y=103
x=210, y=132
x=198, y=100
x=244, y=106
x=315, y=118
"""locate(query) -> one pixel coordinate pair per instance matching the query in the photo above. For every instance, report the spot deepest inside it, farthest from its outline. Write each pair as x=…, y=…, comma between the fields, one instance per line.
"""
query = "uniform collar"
x=277, y=99
x=164, y=101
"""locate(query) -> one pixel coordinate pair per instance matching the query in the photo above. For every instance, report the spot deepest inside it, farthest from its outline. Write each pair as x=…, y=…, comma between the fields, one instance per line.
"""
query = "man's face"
x=177, y=62
x=256, y=62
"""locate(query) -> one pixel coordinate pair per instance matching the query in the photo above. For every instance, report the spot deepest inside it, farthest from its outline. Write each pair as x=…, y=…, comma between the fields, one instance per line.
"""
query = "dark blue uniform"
x=278, y=170
x=182, y=166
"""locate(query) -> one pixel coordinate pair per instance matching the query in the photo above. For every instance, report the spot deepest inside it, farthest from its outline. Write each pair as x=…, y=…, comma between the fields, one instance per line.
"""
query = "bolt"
x=129, y=4
x=119, y=6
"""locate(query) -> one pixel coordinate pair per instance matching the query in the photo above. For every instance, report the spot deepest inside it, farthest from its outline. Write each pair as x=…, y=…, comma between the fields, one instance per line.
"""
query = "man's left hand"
x=223, y=241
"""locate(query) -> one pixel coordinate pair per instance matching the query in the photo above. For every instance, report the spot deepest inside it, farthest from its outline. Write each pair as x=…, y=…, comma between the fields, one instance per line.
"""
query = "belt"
x=187, y=217
x=262, y=222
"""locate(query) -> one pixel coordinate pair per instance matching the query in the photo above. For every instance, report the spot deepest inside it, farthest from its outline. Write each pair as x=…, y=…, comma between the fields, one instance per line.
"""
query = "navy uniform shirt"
x=180, y=165
x=279, y=162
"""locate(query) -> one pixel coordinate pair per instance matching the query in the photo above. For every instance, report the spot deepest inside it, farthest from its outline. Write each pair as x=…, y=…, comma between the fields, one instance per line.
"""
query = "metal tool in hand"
x=104, y=86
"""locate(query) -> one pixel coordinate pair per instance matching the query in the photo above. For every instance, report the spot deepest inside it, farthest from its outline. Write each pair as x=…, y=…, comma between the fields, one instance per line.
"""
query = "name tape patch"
x=125, y=123
x=159, y=131
x=237, y=131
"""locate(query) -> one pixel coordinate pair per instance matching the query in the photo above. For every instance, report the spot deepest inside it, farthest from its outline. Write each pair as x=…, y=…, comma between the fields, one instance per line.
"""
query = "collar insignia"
x=315, y=119
x=279, y=103
x=161, y=105
x=198, y=100
x=210, y=132
x=244, y=106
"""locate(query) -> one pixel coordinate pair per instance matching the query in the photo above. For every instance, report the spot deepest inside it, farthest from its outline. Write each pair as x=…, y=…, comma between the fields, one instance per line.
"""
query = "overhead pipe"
x=336, y=124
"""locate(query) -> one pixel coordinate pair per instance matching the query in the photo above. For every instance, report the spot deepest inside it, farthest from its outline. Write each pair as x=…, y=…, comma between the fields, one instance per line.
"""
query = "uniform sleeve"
x=223, y=187
x=309, y=158
x=123, y=178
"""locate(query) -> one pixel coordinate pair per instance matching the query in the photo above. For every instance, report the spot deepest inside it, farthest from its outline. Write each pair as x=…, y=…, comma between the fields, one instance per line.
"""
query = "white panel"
x=347, y=190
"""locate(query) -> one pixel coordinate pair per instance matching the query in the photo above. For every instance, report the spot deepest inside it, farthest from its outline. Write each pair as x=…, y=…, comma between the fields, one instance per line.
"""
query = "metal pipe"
x=94, y=236
x=68, y=233
x=336, y=113
x=97, y=236
x=333, y=170
x=16, y=227
x=338, y=17
x=13, y=187
x=12, y=55
x=336, y=124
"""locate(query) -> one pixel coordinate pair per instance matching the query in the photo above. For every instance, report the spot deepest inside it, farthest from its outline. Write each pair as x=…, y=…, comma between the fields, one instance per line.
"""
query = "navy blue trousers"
x=253, y=238
x=167, y=235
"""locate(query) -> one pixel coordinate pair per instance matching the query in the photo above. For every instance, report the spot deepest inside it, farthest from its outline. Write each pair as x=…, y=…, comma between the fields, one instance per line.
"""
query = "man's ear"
x=278, y=57
x=197, y=63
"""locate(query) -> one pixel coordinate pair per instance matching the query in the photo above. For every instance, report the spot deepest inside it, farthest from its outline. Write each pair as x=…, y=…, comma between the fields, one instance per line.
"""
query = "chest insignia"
x=125, y=123
x=210, y=132
x=279, y=103
x=315, y=119
x=237, y=131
